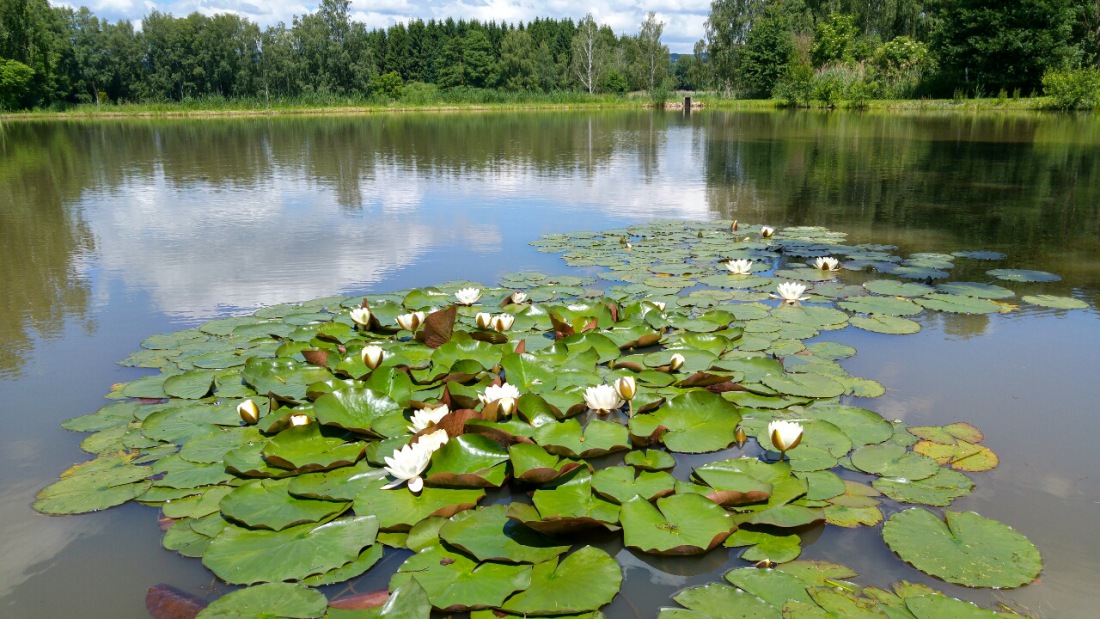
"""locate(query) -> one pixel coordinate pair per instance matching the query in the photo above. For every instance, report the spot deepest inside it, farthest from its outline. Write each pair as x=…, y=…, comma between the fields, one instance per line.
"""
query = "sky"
x=683, y=19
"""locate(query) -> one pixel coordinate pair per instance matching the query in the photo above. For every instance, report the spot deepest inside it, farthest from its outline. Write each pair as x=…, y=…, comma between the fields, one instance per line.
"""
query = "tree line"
x=797, y=50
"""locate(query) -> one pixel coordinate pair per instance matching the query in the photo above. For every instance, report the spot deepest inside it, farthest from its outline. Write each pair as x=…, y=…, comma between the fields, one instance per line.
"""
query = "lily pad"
x=620, y=484
x=766, y=546
x=695, y=422
x=678, y=525
x=893, y=461
x=719, y=601
x=890, y=325
x=938, y=490
x=567, y=438
x=95, y=485
x=583, y=581
x=1055, y=302
x=489, y=535
x=1023, y=275
x=965, y=548
x=267, y=504
x=277, y=599
x=454, y=582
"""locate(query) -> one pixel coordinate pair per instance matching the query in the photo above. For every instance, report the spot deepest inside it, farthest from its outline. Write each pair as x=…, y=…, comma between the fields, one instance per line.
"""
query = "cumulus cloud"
x=683, y=20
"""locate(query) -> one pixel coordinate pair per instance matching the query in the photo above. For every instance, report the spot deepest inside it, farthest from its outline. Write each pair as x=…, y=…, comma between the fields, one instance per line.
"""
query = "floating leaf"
x=399, y=509
x=958, y=304
x=95, y=485
x=938, y=490
x=1023, y=275
x=765, y=546
x=679, y=524
x=489, y=535
x=893, y=461
x=454, y=582
x=890, y=325
x=269, y=600
x=568, y=439
x=266, y=504
x=719, y=601
x=585, y=580
x=965, y=549
x=620, y=484
x=696, y=422
x=1055, y=302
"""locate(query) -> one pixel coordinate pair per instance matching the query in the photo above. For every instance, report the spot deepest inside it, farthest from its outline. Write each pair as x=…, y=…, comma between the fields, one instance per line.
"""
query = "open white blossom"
x=827, y=264
x=411, y=321
x=468, y=296
x=361, y=316
x=740, y=266
x=791, y=292
x=503, y=322
x=518, y=297
x=299, y=420
x=506, y=396
x=432, y=441
x=425, y=417
x=785, y=435
x=660, y=305
x=406, y=465
x=602, y=398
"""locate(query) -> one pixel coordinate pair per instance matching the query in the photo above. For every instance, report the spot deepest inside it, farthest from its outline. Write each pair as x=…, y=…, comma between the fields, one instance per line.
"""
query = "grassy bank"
x=473, y=100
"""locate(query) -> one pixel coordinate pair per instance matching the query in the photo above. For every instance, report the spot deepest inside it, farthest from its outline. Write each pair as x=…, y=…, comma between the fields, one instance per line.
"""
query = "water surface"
x=111, y=231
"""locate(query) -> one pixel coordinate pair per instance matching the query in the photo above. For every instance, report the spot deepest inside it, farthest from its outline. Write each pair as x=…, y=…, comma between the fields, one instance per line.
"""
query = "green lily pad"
x=893, y=461
x=489, y=535
x=695, y=422
x=243, y=556
x=620, y=484
x=468, y=461
x=965, y=549
x=534, y=464
x=1055, y=302
x=650, y=460
x=95, y=485
x=890, y=325
x=267, y=504
x=192, y=385
x=881, y=306
x=938, y=490
x=356, y=568
x=340, y=484
x=570, y=506
x=976, y=289
x=583, y=581
x=719, y=601
x=277, y=599
x=454, y=582
x=304, y=448
x=957, y=304
x=1023, y=275
x=679, y=524
x=805, y=385
x=894, y=288
x=936, y=605
x=355, y=408
x=399, y=509
x=766, y=546
x=567, y=438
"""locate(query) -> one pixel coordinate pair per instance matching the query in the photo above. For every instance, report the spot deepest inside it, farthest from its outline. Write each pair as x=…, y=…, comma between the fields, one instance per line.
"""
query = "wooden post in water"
x=687, y=106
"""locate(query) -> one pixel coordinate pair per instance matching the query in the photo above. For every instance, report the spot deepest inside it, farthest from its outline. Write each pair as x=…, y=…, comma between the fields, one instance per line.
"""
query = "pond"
x=112, y=231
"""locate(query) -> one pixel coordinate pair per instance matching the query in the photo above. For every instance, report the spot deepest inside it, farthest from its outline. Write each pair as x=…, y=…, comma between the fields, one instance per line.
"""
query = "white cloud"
x=684, y=20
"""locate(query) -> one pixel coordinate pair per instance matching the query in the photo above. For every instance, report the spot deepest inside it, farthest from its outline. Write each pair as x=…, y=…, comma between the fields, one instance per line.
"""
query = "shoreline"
x=178, y=110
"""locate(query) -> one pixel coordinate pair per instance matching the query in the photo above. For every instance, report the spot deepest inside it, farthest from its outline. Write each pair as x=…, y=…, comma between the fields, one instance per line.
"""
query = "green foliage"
x=796, y=86
x=767, y=54
x=15, y=81
x=835, y=40
x=900, y=65
x=1073, y=89
x=389, y=85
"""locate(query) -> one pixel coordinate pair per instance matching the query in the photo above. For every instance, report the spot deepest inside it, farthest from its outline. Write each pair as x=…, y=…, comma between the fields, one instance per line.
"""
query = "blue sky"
x=683, y=19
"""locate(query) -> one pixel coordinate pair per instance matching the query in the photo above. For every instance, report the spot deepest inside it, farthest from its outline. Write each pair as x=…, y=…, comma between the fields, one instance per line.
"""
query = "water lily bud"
x=408, y=322
x=626, y=387
x=483, y=320
x=361, y=317
x=433, y=440
x=249, y=412
x=518, y=297
x=503, y=322
x=506, y=406
x=733, y=226
x=420, y=317
x=766, y=231
x=740, y=437
x=660, y=305
x=299, y=420
x=676, y=362
x=786, y=435
x=372, y=356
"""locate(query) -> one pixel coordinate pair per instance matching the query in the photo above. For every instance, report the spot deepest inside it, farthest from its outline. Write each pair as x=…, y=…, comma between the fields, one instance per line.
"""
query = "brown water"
x=113, y=231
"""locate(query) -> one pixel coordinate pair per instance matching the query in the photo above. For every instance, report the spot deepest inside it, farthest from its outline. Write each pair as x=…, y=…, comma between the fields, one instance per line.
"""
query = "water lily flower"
x=602, y=398
x=786, y=435
x=676, y=362
x=407, y=464
x=518, y=297
x=249, y=412
x=660, y=305
x=503, y=322
x=827, y=264
x=740, y=437
x=425, y=417
x=791, y=292
x=299, y=420
x=372, y=356
x=361, y=317
x=484, y=320
x=626, y=387
x=410, y=322
x=432, y=441
x=766, y=231
x=504, y=395
x=740, y=266
x=468, y=296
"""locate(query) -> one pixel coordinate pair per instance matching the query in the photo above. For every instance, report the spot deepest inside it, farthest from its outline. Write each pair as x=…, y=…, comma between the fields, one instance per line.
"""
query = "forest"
x=797, y=51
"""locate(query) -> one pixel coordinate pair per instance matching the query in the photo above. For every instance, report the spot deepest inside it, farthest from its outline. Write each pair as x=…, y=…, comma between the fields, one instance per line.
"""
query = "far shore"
x=700, y=101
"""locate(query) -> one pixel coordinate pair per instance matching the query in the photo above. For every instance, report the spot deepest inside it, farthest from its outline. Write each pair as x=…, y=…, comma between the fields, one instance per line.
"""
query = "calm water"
x=113, y=231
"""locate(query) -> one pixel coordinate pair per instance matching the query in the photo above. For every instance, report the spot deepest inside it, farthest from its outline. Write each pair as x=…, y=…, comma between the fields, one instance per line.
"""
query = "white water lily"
x=626, y=387
x=410, y=322
x=740, y=266
x=518, y=297
x=249, y=412
x=468, y=296
x=827, y=264
x=425, y=417
x=602, y=398
x=361, y=316
x=407, y=464
x=504, y=395
x=676, y=362
x=484, y=320
x=299, y=420
x=372, y=356
x=766, y=231
x=503, y=322
x=660, y=305
x=785, y=435
x=791, y=292
x=432, y=441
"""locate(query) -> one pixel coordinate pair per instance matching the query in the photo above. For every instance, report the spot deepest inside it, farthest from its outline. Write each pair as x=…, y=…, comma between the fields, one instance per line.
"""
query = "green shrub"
x=1073, y=89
